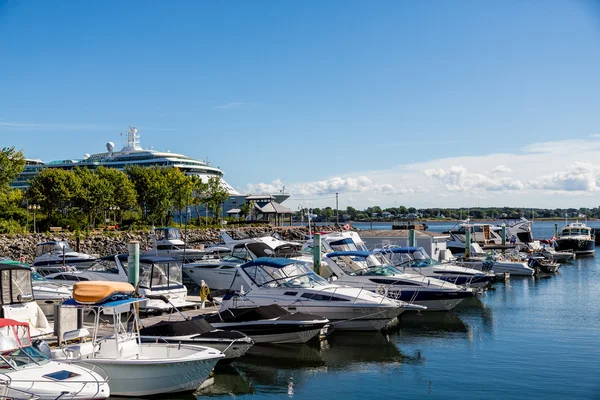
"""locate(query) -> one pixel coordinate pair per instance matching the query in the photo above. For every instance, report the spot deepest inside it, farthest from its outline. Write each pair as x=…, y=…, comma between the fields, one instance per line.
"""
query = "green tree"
x=153, y=191
x=216, y=195
x=94, y=195
x=182, y=187
x=54, y=190
x=123, y=194
x=12, y=164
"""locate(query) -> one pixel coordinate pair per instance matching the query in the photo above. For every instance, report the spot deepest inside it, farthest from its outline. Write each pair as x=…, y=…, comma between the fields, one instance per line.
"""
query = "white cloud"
x=337, y=184
x=500, y=169
x=529, y=177
x=578, y=177
x=458, y=179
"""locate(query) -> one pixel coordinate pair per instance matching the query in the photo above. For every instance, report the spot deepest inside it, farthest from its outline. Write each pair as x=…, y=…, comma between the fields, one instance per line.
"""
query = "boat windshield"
x=22, y=358
x=373, y=264
x=292, y=275
x=54, y=247
x=37, y=277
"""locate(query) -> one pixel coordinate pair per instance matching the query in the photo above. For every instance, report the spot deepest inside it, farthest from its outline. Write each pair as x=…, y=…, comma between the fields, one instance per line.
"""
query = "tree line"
x=83, y=198
x=377, y=213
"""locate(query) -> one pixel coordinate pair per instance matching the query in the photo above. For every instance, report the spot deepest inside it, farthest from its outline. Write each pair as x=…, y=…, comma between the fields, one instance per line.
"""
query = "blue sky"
x=434, y=103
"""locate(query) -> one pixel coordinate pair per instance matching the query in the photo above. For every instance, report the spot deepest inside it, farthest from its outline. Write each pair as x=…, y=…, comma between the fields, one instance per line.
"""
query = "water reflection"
x=225, y=379
x=281, y=368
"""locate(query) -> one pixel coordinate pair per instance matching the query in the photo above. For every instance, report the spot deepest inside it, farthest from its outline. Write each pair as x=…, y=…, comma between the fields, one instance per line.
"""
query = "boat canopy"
x=167, y=233
x=13, y=335
x=400, y=250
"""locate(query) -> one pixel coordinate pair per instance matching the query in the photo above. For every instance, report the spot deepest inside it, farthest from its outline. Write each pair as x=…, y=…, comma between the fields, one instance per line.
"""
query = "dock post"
x=411, y=238
x=555, y=230
x=468, y=242
x=133, y=263
x=317, y=253
x=503, y=234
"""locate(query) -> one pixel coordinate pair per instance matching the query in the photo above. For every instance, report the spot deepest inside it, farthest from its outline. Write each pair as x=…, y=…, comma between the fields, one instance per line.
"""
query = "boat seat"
x=80, y=350
x=127, y=348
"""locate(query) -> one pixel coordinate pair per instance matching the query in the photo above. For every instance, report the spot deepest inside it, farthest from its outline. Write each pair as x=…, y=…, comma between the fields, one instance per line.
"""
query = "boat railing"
x=8, y=393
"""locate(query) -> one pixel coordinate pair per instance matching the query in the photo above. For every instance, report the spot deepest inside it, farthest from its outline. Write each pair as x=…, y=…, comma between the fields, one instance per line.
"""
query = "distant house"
x=345, y=217
x=374, y=215
x=387, y=214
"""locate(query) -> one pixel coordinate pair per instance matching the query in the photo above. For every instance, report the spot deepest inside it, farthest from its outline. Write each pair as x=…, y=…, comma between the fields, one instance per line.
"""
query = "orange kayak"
x=94, y=292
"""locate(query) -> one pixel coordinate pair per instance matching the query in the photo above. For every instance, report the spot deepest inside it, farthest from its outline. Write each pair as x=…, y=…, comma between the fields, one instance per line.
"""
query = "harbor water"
x=526, y=338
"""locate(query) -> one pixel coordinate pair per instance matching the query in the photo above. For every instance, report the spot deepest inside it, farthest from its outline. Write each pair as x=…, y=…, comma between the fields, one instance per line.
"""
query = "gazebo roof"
x=275, y=208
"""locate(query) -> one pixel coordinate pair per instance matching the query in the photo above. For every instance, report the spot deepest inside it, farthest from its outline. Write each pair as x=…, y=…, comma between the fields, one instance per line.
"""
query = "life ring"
x=22, y=259
x=197, y=247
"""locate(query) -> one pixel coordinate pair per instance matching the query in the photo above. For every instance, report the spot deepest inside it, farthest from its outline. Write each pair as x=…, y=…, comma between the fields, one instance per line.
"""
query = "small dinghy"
x=136, y=368
x=199, y=332
x=25, y=370
x=269, y=324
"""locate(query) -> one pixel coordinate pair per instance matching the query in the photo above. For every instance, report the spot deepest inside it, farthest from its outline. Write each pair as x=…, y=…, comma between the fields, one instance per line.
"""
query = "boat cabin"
x=356, y=263
x=17, y=301
x=575, y=229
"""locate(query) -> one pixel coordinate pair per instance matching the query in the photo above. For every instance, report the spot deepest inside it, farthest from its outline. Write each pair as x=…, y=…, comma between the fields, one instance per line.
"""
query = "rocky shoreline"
x=16, y=247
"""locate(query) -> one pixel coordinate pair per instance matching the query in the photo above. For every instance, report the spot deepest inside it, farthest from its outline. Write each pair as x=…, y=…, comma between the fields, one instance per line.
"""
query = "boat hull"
x=275, y=332
x=578, y=246
x=358, y=318
x=231, y=348
x=160, y=369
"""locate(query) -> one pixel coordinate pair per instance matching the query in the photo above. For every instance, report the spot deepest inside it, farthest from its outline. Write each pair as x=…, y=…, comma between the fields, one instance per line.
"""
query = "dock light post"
x=114, y=210
x=317, y=253
x=34, y=208
x=503, y=234
x=337, y=211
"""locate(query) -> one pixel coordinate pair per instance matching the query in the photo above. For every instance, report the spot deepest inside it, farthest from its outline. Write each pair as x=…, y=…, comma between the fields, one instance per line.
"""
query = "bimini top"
x=272, y=262
x=398, y=250
x=71, y=302
x=355, y=253
x=13, y=265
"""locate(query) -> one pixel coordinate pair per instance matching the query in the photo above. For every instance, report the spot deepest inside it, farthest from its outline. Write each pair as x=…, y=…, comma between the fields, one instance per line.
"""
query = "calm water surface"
x=528, y=338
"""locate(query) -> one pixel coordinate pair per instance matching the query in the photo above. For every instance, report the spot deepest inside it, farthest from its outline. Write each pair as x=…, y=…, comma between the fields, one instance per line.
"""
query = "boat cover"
x=246, y=314
x=194, y=327
x=95, y=292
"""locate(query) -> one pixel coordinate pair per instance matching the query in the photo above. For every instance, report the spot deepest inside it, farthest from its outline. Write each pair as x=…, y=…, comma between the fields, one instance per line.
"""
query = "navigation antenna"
x=133, y=139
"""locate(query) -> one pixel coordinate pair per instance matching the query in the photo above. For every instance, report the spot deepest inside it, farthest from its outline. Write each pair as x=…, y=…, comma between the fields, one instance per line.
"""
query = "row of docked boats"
x=575, y=238
x=273, y=292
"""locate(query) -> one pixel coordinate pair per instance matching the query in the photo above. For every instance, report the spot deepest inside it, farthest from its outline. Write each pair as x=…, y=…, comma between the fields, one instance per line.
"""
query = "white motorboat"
x=293, y=285
x=135, y=368
x=159, y=276
x=415, y=260
x=372, y=271
x=18, y=299
x=219, y=273
x=269, y=324
x=27, y=370
x=57, y=256
x=576, y=237
x=509, y=263
x=166, y=242
x=558, y=256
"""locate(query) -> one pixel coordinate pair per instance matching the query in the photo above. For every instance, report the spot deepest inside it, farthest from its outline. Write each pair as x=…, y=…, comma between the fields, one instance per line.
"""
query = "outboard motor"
x=42, y=347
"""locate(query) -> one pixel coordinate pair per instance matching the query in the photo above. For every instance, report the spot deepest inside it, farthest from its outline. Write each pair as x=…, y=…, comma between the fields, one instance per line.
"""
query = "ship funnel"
x=110, y=146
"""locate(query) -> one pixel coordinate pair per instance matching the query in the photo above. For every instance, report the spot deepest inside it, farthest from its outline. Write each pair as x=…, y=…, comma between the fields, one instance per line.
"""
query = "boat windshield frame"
x=54, y=247
x=22, y=357
x=293, y=275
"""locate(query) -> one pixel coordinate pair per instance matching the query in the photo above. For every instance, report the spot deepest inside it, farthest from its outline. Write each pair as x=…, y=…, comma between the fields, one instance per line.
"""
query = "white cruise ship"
x=133, y=154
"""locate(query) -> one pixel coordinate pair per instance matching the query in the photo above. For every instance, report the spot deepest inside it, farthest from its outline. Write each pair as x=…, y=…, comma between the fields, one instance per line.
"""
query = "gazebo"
x=278, y=210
